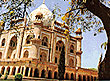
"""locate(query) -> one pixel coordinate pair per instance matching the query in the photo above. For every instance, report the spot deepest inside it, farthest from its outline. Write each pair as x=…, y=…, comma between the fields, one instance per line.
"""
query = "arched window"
x=59, y=45
x=26, y=54
x=12, y=47
x=13, y=42
x=71, y=49
x=50, y=74
x=28, y=39
x=39, y=16
x=71, y=62
x=3, y=42
x=43, y=74
x=43, y=57
x=0, y=55
x=45, y=41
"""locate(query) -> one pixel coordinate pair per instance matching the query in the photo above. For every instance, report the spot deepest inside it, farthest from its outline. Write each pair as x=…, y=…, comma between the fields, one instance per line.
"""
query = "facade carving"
x=36, y=50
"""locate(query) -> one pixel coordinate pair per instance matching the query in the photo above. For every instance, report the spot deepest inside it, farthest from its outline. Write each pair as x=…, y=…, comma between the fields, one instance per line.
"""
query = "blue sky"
x=91, y=45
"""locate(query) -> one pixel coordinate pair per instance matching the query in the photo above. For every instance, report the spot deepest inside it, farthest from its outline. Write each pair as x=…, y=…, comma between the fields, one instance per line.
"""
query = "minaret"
x=78, y=51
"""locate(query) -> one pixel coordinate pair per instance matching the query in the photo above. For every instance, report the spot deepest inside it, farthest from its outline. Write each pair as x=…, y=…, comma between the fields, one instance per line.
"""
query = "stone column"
x=11, y=70
x=24, y=71
x=16, y=70
x=33, y=72
x=46, y=74
x=21, y=69
x=86, y=77
x=52, y=48
x=40, y=73
x=0, y=69
x=5, y=69
x=7, y=47
x=77, y=77
x=66, y=52
x=52, y=75
x=29, y=72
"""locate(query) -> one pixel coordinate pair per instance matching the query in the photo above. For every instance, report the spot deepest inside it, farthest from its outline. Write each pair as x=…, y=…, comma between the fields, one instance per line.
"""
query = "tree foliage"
x=12, y=9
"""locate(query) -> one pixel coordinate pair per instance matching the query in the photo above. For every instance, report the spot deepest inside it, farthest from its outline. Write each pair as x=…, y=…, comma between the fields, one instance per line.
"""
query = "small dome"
x=78, y=31
x=42, y=10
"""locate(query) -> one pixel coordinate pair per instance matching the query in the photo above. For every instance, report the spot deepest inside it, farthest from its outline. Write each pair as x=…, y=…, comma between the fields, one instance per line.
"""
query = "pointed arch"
x=50, y=74
x=84, y=78
x=3, y=42
x=72, y=76
x=36, y=73
x=12, y=47
x=13, y=70
x=55, y=75
x=26, y=54
x=79, y=78
x=3, y=70
x=67, y=76
x=8, y=70
x=43, y=74
x=19, y=69
x=59, y=45
x=45, y=41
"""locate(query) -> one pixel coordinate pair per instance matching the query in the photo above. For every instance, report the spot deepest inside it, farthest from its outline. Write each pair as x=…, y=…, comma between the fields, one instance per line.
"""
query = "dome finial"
x=43, y=1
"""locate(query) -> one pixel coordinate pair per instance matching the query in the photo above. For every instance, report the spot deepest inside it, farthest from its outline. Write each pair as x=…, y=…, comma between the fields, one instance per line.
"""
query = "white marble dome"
x=47, y=14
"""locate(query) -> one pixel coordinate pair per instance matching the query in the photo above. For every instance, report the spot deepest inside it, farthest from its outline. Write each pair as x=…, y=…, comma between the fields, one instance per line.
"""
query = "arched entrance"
x=55, y=75
x=43, y=74
x=72, y=76
x=27, y=70
x=12, y=47
x=36, y=73
x=95, y=79
x=13, y=70
x=88, y=78
x=84, y=78
x=3, y=70
x=79, y=78
x=8, y=70
x=50, y=74
x=67, y=76
x=19, y=70
x=91, y=78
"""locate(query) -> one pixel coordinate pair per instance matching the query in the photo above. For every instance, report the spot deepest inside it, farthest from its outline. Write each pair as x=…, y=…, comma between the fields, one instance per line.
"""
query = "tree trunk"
x=103, y=12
